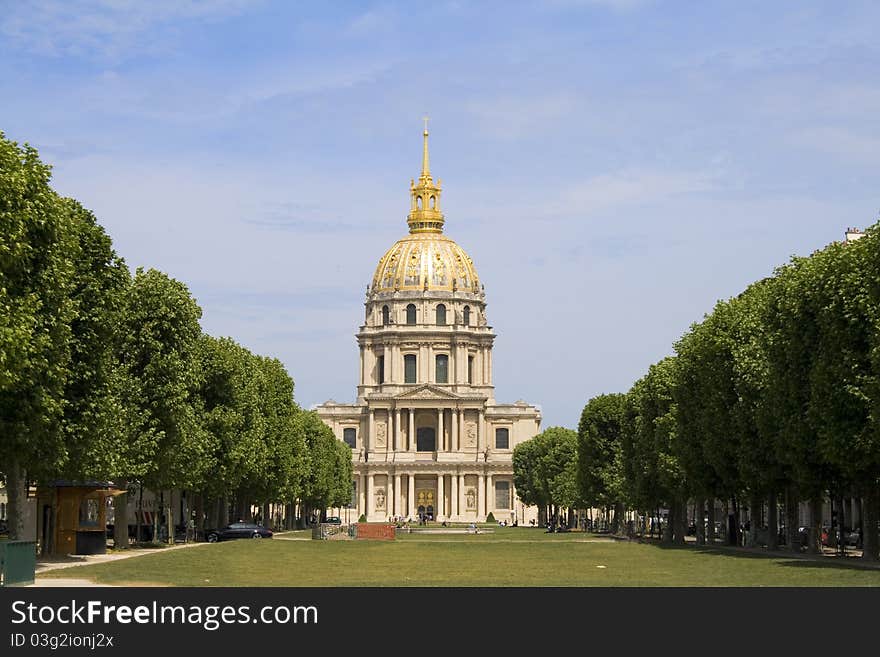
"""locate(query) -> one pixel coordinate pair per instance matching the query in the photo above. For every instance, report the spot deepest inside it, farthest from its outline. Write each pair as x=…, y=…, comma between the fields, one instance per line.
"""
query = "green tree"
x=37, y=248
x=160, y=376
x=600, y=478
x=659, y=478
x=545, y=470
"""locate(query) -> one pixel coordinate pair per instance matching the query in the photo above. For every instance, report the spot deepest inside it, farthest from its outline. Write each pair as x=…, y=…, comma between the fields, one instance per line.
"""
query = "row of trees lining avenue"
x=105, y=375
x=771, y=401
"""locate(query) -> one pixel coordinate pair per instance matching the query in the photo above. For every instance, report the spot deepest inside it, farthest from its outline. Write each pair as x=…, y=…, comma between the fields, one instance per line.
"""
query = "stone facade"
x=426, y=433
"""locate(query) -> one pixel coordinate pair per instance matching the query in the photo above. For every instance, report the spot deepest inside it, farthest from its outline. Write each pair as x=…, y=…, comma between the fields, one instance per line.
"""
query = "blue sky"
x=613, y=167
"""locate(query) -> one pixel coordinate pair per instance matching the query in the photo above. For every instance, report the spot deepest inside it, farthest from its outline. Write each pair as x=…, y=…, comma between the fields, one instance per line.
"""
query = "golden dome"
x=425, y=261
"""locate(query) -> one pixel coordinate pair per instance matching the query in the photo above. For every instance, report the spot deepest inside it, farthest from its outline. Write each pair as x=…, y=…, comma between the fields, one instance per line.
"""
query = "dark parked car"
x=333, y=520
x=237, y=530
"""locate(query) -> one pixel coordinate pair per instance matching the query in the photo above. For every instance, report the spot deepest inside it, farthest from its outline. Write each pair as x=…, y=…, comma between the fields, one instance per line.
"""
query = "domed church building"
x=427, y=436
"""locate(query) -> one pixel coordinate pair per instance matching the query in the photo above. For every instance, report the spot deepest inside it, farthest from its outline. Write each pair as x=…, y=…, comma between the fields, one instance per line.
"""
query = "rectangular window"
x=442, y=370
x=380, y=369
x=502, y=494
x=502, y=439
x=349, y=437
x=354, y=495
x=88, y=513
x=409, y=368
x=470, y=369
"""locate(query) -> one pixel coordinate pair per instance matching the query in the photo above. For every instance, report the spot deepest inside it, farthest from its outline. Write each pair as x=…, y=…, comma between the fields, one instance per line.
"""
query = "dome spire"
x=426, y=169
x=424, y=213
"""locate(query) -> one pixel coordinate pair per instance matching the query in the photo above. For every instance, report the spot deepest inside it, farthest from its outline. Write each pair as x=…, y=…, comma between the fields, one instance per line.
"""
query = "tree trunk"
x=772, y=522
x=16, y=499
x=157, y=516
x=139, y=514
x=200, y=517
x=733, y=523
x=120, y=519
x=670, y=522
x=267, y=517
x=754, y=520
x=870, y=516
x=792, y=536
x=710, y=521
x=680, y=528
x=169, y=517
x=700, y=520
x=814, y=545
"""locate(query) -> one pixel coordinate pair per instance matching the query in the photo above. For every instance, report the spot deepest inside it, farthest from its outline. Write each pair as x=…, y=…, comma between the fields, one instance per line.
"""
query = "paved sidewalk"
x=73, y=560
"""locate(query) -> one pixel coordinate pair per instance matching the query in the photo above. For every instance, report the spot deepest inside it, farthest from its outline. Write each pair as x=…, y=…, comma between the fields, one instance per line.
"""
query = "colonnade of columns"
x=400, y=503
x=392, y=355
x=404, y=440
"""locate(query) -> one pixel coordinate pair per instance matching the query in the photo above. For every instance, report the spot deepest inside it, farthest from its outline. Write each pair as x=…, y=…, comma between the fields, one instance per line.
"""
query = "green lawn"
x=508, y=557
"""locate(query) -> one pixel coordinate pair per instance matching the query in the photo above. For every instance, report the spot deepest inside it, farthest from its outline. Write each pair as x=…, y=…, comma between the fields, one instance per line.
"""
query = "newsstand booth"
x=73, y=516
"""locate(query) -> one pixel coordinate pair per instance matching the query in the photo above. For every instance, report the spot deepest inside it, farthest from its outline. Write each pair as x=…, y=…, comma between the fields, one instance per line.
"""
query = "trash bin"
x=18, y=562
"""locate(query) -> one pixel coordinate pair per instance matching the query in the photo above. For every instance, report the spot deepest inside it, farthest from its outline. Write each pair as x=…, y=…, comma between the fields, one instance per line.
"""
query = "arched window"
x=441, y=369
x=433, y=202
x=419, y=202
x=441, y=315
x=409, y=368
x=467, y=316
x=411, y=314
x=386, y=316
x=380, y=369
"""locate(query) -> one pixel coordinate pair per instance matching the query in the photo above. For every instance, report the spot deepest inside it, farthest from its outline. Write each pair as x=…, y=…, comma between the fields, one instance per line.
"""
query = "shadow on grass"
x=789, y=560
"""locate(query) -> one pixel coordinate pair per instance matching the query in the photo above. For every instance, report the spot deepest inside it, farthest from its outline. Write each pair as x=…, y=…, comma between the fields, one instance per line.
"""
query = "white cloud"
x=513, y=117
x=839, y=142
x=634, y=186
x=103, y=29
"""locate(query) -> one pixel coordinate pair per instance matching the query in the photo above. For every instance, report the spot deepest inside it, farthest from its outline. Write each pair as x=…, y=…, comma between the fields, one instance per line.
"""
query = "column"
x=481, y=439
x=489, y=356
x=481, y=497
x=362, y=494
x=440, y=511
x=513, y=499
x=453, y=495
x=371, y=480
x=422, y=364
x=398, y=499
x=398, y=444
x=363, y=379
x=391, y=365
x=454, y=433
x=432, y=369
x=411, y=430
x=389, y=495
x=441, y=440
x=371, y=431
x=490, y=495
x=411, y=495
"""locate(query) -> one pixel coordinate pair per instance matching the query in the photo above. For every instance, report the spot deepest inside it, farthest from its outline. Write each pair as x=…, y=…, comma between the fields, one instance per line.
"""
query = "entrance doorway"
x=426, y=440
x=425, y=503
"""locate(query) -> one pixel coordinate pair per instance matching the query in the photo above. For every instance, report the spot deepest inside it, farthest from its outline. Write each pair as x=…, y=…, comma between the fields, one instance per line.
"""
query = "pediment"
x=427, y=392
